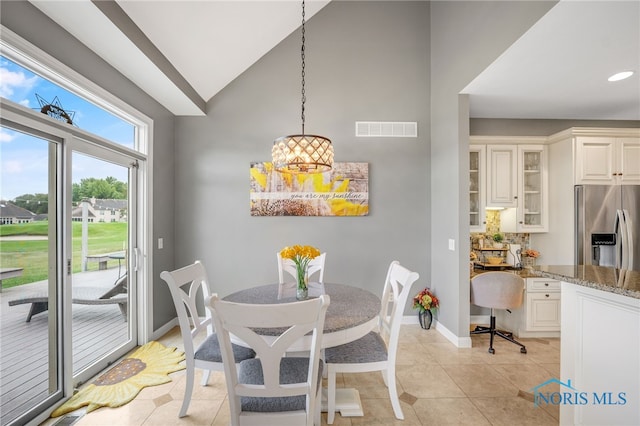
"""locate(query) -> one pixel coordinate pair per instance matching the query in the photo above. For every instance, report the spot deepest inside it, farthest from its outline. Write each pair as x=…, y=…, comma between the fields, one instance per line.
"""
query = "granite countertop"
x=620, y=281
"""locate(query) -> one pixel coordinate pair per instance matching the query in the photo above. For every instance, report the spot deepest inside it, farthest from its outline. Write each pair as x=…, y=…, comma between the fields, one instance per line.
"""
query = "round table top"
x=349, y=307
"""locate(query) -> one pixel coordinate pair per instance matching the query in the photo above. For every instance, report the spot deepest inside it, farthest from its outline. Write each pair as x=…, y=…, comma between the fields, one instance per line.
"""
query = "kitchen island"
x=600, y=345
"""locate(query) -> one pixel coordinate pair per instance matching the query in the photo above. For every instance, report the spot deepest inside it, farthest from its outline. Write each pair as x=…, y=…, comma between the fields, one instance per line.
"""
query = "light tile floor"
x=439, y=384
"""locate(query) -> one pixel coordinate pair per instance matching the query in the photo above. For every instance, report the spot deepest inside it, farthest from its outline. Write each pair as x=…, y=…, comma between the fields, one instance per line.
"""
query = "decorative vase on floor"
x=302, y=290
x=425, y=319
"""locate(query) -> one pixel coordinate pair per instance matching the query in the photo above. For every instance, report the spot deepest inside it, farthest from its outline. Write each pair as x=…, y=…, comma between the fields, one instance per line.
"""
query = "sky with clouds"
x=24, y=158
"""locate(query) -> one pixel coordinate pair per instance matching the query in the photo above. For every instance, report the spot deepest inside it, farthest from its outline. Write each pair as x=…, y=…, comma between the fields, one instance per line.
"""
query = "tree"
x=35, y=203
x=109, y=188
x=99, y=188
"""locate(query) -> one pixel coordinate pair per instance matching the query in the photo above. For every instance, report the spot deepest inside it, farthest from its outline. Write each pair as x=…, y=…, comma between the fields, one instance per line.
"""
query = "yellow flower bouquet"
x=301, y=256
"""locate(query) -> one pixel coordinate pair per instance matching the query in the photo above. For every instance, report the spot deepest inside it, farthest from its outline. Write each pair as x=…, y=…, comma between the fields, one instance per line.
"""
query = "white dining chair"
x=316, y=268
x=273, y=388
x=377, y=350
x=189, y=286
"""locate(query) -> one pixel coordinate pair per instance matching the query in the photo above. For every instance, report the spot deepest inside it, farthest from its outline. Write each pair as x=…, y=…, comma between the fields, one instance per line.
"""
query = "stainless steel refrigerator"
x=607, y=225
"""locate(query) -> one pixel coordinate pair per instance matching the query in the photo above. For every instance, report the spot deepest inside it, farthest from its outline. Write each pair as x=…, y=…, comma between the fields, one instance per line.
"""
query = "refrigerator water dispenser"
x=603, y=249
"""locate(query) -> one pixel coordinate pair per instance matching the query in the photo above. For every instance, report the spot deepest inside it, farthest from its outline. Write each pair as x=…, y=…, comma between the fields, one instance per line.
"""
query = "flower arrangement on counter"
x=531, y=253
x=301, y=256
x=425, y=301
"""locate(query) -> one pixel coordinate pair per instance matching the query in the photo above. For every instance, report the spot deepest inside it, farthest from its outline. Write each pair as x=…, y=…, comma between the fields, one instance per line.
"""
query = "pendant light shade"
x=302, y=153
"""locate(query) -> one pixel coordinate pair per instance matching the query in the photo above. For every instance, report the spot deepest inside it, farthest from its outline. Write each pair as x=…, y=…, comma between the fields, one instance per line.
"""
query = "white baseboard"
x=460, y=342
x=164, y=329
x=480, y=319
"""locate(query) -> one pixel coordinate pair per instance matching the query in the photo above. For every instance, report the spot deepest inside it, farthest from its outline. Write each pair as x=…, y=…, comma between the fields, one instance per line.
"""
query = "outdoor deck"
x=24, y=347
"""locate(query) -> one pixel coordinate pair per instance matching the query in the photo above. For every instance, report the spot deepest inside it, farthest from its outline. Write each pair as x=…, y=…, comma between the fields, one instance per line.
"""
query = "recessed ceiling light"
x=621, y=76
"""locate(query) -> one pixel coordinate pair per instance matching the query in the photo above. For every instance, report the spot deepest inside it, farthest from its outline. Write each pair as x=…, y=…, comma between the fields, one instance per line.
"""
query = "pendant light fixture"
x=302, y=153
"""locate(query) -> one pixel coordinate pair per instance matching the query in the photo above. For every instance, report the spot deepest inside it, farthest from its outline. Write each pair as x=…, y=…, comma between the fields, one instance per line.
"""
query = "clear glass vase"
x=302, y=290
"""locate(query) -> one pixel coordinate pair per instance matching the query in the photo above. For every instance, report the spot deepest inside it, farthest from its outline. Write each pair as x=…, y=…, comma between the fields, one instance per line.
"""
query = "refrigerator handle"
x=628, y=228
x=621, y=233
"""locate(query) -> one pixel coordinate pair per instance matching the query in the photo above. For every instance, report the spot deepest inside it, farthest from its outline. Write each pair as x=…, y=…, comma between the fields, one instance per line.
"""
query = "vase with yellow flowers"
x=301, y=256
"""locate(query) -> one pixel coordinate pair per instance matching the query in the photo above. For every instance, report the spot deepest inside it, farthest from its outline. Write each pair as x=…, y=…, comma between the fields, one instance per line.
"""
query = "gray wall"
x=28, y=22
x=364, y=61
x=465, y=38
x=536, y=127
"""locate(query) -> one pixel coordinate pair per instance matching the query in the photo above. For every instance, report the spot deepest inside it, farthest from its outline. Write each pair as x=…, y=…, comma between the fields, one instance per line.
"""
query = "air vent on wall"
x=387, y=129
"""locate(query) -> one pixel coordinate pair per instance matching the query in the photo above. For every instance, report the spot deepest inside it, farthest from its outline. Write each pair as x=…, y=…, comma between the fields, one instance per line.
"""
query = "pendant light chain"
x=304, y=98
x=302, y=153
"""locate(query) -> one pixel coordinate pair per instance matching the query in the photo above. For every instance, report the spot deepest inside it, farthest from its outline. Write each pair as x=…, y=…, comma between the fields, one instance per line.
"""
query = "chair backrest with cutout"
x=397, y=289
x=189, y=285
x=316, y=265
x=294, y=321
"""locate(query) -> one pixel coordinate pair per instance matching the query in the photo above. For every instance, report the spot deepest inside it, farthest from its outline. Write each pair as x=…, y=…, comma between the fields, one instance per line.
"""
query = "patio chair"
x=80, y=295
x=207, y=355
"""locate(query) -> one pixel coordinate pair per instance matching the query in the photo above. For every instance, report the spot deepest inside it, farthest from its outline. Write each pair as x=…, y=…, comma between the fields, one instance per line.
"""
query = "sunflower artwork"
x=343, y=191
x=149, y=365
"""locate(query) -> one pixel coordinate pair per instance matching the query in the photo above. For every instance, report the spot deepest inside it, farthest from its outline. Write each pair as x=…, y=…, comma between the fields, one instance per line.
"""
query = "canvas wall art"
x=343, y=191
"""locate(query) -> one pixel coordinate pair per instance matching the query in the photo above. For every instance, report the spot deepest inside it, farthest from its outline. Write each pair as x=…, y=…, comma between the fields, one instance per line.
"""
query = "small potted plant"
x=497, y=240
x=426, y=303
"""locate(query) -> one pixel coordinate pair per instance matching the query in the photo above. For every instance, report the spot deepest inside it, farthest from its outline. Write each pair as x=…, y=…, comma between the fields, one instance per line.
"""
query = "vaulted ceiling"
x=184, y=52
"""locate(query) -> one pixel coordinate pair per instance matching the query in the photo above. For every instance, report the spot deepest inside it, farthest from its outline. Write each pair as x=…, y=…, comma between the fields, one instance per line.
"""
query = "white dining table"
x=352, y=313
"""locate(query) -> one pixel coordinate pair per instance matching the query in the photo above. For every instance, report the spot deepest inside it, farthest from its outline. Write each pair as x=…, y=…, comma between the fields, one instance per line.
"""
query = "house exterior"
x=102, y=210
x=10, y=214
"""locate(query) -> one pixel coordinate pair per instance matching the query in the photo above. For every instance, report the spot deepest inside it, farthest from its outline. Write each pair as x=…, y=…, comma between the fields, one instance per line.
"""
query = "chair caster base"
x=523, y=350
x=492, y=351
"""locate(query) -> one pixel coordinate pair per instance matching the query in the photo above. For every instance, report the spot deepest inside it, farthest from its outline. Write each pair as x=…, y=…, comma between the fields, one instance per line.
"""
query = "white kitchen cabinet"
x=477, y=185
x=599, y=353
x=539, y=315
x=533, y=194
x=531, y=212
x=543, y=311
x=607, y=160
x=502, y=176
x=517, y=180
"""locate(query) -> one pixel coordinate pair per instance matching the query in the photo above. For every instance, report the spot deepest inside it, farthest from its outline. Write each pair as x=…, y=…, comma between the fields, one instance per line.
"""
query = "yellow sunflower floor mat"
x=149, y=365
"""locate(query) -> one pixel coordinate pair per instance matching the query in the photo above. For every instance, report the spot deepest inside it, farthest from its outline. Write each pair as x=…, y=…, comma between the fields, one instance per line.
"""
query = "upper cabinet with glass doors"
x=477, y=193
x=516, y=181
x=532, y=211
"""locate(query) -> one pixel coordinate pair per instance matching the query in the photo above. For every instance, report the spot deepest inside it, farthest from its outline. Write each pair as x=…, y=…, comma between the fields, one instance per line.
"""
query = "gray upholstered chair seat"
x=370, y=348
x=209, y=350
x=292, y=370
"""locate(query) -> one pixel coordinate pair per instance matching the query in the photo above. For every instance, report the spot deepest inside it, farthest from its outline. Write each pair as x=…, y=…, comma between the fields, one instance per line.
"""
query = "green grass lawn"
x=33, y=255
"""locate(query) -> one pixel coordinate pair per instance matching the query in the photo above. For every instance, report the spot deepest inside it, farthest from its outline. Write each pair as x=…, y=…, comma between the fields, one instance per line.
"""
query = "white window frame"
x=22, y=52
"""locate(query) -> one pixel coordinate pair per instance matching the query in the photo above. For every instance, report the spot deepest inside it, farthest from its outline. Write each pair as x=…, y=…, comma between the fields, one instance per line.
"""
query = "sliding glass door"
x=103, y=231
x=30, y=253
x=68, y=252
x=72, y=231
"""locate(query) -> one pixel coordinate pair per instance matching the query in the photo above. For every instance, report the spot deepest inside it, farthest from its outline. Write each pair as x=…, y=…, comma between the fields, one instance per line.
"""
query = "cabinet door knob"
x=546, y=284
x=520, y=222
x=546, y=295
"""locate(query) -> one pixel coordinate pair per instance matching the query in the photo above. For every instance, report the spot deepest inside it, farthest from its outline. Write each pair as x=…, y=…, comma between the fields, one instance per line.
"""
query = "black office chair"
x=497, y=290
